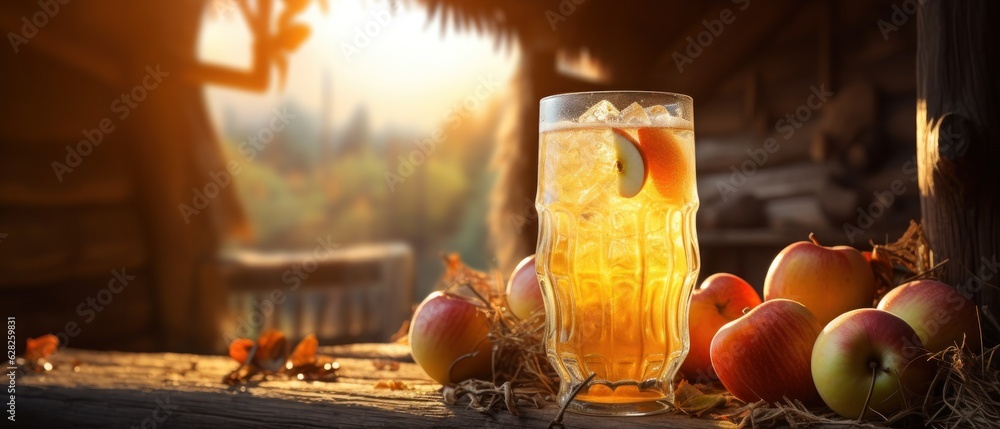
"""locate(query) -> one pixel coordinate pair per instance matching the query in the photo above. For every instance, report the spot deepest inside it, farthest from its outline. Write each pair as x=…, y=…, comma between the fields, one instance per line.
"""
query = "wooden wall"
x=117, y=210
x=64, y=237
x=856, y=144
x=761, y=66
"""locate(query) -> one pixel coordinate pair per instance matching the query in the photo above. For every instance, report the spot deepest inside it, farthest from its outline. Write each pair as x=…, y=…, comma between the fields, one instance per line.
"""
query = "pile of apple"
x=816, y=337
x=449, y=333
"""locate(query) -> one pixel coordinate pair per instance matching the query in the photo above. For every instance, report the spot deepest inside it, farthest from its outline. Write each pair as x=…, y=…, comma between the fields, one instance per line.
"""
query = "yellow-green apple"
x=448, y=339
x=827, y=280
x=721, y=299
x=766, y=353
x=940, y=315
x=524, y=296
x=869, y=349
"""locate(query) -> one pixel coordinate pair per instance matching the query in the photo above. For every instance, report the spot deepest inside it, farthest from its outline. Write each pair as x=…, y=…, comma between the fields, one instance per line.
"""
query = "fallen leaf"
x=41, y=347
x=305, y=352
x=391, y=385
x=462, y=280
x=452, y=264
x=272, y=350
x=690, y=400
x=268, y=356
x=240, y=348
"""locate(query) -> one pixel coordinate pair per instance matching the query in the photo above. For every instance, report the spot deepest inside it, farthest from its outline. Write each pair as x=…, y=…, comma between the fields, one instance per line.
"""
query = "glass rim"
x=626, y=91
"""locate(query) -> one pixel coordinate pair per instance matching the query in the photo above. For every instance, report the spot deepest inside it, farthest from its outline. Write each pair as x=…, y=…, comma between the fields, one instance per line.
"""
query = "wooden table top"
x=114, y=389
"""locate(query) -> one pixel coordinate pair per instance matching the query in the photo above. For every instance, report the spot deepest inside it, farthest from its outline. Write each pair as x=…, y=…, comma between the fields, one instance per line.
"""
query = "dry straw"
x=521, y=372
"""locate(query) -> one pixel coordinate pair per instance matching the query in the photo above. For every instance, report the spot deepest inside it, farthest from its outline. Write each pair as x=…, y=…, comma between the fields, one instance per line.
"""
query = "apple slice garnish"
x=669, y=166
x=630, y=164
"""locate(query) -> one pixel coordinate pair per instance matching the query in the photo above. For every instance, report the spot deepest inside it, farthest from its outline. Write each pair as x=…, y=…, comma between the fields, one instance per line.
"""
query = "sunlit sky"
x=408, y=75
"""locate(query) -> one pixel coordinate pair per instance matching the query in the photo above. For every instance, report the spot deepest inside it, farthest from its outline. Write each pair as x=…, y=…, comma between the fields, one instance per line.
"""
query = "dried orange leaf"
x=41, y=347
x=452, y=264
x=240, y=348
x=690, y=400
x=272, y=350
x=465, y=281
x=391, y=385
x=305, y=352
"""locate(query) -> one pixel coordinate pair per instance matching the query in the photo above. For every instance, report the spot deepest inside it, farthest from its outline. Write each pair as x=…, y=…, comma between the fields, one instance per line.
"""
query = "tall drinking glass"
x=617, y=253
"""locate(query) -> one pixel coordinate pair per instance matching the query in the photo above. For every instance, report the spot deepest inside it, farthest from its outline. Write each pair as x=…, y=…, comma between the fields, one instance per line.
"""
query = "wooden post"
x=958, y=145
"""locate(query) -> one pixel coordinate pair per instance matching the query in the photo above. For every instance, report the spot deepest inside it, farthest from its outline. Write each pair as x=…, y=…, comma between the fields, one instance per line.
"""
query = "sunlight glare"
x=405, y=70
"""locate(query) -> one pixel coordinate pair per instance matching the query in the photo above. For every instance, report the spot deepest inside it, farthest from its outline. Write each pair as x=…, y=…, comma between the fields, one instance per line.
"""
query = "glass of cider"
x=617, y=254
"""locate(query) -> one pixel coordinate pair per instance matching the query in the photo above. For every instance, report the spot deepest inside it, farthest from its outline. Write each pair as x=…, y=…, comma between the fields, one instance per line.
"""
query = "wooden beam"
x=738, y=41
x=958, y=144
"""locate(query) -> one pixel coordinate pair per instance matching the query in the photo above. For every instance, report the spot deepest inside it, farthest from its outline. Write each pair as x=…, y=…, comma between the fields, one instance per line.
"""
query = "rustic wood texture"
x=957, y=149
x=122, y=390
x=157, y=153
x=71, y=243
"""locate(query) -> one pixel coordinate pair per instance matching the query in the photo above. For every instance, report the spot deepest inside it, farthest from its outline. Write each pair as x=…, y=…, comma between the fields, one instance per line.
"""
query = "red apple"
x=524, y=296
x=940, y=315
x=856, y=345
x=448, y=339
x=827, y=280
x=720, y=299
x=766, y=353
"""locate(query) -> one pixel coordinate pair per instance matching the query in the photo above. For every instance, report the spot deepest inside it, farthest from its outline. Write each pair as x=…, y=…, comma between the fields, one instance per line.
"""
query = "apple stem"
x=871, y=388
x=812, y=238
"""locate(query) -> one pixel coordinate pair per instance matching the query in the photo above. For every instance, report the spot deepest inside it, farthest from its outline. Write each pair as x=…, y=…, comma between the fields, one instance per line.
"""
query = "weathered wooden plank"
x=790, y=180
x=73, y=309
x=87, y=174
x=113, y=389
